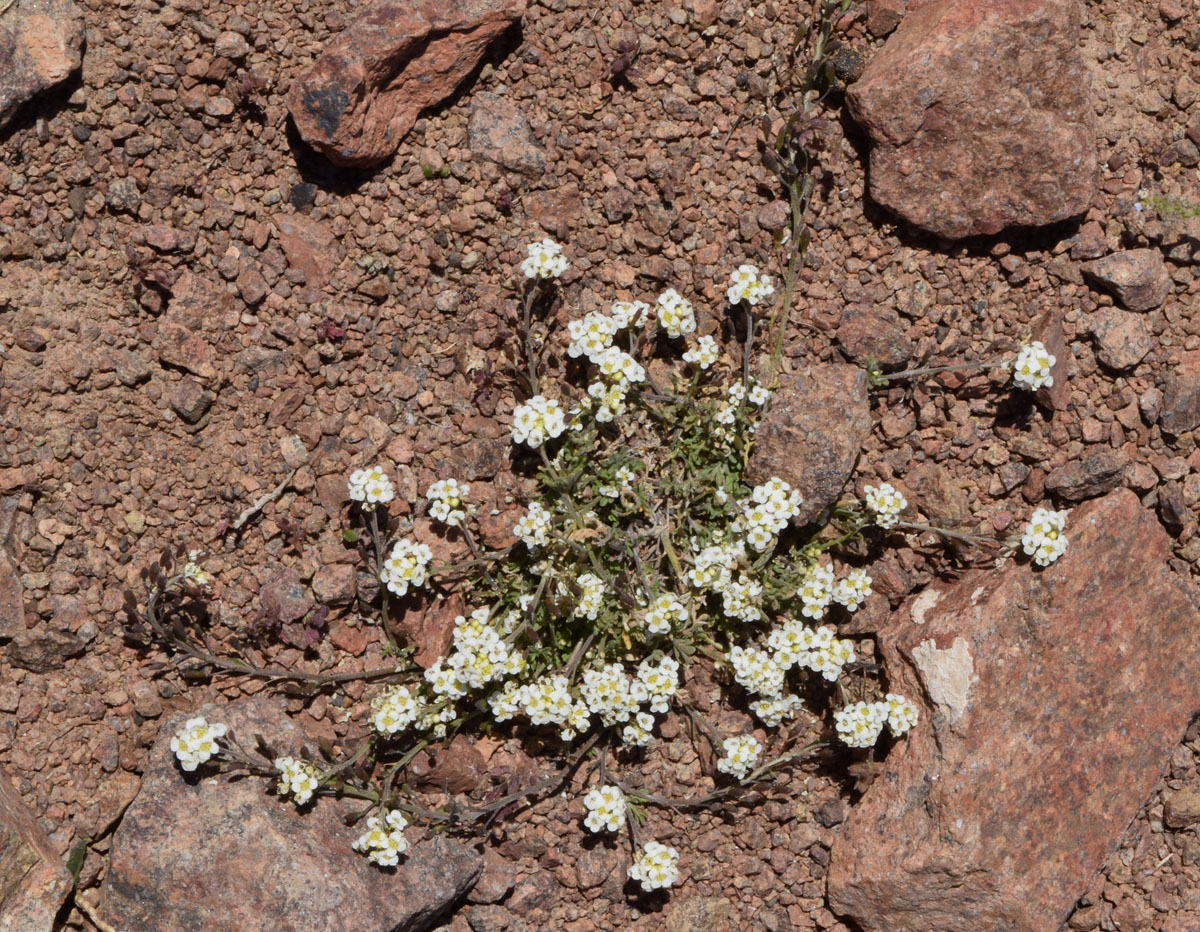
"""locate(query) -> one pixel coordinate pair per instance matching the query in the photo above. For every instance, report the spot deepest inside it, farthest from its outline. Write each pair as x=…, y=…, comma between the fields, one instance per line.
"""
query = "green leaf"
x=75, y=859
x=350, y=535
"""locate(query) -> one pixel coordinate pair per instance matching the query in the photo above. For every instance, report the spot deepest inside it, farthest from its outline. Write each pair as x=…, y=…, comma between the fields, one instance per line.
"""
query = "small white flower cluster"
x=852, y=589
x=194, y=573
x=446, y=498
x=591, y=335
x=859, y=725
x=383, y=842
x=605, y=809
x=590, y=598
x=767, y=513
x=756, y=671
x=480, y=656
x=796, y=644
x=629, y=313
x=612, y=695
x=675, y=313
x=656, y=867
x=196, y=742
x=717, y=569
x=741, y=754
x=749, y=285
x=816, y=592
x=885, y=503
x=544, y=260
x=395, y=710
x=538, y=420
x=370, y=487
x=1044, y=539
x=726, y=415
x=705, y=354
x=1031, y=368
x=665, y=609
x=297, y=779
x=406, y=566
x=773, y=710
x=533, y=530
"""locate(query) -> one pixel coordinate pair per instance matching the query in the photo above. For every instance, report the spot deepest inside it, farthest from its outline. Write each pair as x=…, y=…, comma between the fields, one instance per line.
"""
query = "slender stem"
x=377, y=543
x=933, y=370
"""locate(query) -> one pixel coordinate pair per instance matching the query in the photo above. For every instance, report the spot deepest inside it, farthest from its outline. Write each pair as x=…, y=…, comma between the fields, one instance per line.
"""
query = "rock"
x=1122, y=338
x=500, y=131
x=123, y=195
x=696, y=913
x=455, y=768
x=430, y=628
x=231, y=45
x=250, y=855
x=810, y=436
x=1138, y=278
x=365, y=90
x=1056, y=696
x=131, y=368
x=41, y=43
x=875, y=331
x=496, y=882
x=1181, y=807
x=178, y=346
x=885, y=15
x=309, y=246
x=980, y=116
x=33, y=880
x=1087, y=478
x=1180, y=411
x=252, y=286
x=284, y=597
x=40, y=650
x=775, y=216
x=1047, y=329
x=12, y=598
x=335, y=584
x=190, y=401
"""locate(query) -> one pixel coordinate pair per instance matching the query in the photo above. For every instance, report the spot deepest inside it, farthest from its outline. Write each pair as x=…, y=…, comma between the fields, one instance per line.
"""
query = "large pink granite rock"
x=980, y=116
x=33, y=880
x=41, y=43
x=366, y=89
x=1052, y=700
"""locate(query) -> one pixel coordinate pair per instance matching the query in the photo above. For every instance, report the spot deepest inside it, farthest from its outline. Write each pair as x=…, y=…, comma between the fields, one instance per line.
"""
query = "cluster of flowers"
x=1031, y=368
x=406, y=566
x=656, y=867
x=297, y=779
x=538, y=420
x=606, y=809
x=747, y=285
x=859, y=725
x=370, y=487
x=764, y=516
x=196, y=742
x=741, y=754
x=885, y=503
x=446, y=497
x=675, y=313
x=383, y=842
x=705, y=353
x=662, y=611
x=481, y=655
x=544, y=260
x=1044, y=538
x=534, y=529
x=720, y=568
x=758, y=395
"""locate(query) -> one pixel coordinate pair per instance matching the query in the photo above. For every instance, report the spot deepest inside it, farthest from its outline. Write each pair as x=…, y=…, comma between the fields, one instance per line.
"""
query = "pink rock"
x=41, y=43
x=980, y=116
x=1054, y=697
x=309, y=246
x=366, y=89
x=33, y=880
x=12, y=597
x=1138, y=278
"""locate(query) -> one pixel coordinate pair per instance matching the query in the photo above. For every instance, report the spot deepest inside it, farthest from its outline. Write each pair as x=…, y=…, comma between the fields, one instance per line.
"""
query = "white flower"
x=406, y=566
x=610, y=400
x=591, y=596
x=605, y=809
x=446, y=496
x=629, y=313
x=534, y=529
x=537, y=420
x=675, y=313
x=506, y=702
x=901, y=714
x=705, y=354
x=661, y=682
x=665, y=609
x=1031, y=368
x=609, y=693
x=852, y=590
x=859, y=725
x=395, y=710
x=756, y=671
x=579, y=720
x=370, y=487
x=296, y=779
x=656, y=867
x=194, y=573
x=546, y=700
x=795, y=644
x=1044, y=539
x=759, y=395
x=591, y=336
x=383, y=842
x=638, y=733
x=196, y=742
x=618, y=366
x=741, y=754
x=545, y=260
x=766, y=514
x=748, y=285
x=774, y=710
x=816, y=592
x=886, y=504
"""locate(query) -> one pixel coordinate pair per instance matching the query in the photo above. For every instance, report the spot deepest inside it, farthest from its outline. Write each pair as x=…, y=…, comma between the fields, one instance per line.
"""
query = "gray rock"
x=12, y=598
x=211, y=854
x=1180, y=411
x=1086, y=478
x=500, y=131
x=41, y=43
x=40, y=651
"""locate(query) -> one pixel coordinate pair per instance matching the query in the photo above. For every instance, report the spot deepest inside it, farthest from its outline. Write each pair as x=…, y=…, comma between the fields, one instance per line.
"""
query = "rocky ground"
x=196, y=307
